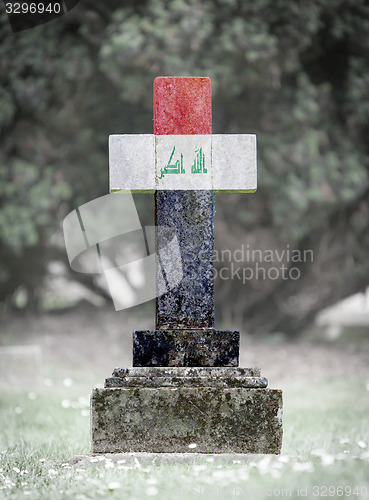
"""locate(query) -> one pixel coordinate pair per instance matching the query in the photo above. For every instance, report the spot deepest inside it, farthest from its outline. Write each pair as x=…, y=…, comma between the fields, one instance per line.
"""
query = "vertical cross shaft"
x=185, y=333
x=182, y=106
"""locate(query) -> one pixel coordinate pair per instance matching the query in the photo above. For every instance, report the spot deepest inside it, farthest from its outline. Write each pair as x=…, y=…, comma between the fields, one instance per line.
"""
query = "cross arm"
x=218, y=162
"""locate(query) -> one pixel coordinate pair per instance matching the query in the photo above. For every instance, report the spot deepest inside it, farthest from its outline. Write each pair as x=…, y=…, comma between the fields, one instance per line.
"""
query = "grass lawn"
x=325, y=451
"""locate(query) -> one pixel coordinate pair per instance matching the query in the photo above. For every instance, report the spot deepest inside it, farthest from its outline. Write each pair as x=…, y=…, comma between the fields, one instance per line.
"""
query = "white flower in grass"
x=8, y=483
x=65, y=403
x=15, y=469
x=26, y=492
x=121, y=461
x=327, y=460
x=83, y=401
x=94, y=459
x=318, y=453
x=277, y=465
x=152, y=491
x=192, y=446
x=124, y=467
x=109, y=465
x=223, y=473
x=32, y=396
x=361, y=444
x=199, y=467
x=243, y=474
x=52, y=472
x=67, y=382
x=18, y=410
x=344, y=440
x=217, y=473
x=114, y=485
x=264, y=464
x=303, y=467
x=275, y=473
x=42, y=460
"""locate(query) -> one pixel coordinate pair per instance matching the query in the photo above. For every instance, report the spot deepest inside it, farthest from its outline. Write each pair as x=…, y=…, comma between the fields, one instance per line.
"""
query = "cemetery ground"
x=43, y=426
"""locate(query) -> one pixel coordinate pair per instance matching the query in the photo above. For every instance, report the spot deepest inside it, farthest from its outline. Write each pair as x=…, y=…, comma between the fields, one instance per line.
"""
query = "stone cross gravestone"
x=185, y=386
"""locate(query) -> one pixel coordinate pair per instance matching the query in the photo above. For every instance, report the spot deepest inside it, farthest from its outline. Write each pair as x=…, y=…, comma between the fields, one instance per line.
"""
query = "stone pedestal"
x=165, y=410
x=197, y=347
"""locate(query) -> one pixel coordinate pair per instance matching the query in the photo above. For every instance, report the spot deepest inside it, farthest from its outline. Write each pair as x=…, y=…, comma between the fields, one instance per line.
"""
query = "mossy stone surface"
x=186, y=377
x=168, y=420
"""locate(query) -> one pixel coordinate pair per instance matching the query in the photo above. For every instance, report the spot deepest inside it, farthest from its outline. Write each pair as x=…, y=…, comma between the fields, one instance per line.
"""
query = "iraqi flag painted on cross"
x=191, y=158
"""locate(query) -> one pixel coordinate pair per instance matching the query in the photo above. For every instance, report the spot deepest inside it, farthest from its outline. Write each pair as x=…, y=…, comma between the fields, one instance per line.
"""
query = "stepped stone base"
x=165, y=410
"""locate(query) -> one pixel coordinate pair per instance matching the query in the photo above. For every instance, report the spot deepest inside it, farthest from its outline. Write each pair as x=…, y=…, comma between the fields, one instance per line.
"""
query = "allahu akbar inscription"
x=198, y=166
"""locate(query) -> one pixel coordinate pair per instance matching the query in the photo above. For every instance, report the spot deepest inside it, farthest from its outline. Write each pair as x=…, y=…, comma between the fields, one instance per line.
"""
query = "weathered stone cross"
x=185, y=391
x=183, y=163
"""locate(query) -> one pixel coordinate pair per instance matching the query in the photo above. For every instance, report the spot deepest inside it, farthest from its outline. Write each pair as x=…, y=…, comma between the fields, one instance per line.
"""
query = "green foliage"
x=38, y=194
x=267, y=59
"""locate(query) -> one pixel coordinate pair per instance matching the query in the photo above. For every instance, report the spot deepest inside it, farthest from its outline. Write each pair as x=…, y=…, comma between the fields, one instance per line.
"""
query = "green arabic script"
x=172, y=168
x=198, y=166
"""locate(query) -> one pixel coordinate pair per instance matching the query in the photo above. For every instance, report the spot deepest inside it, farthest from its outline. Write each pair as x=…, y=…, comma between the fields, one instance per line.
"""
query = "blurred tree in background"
x=294, y=73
